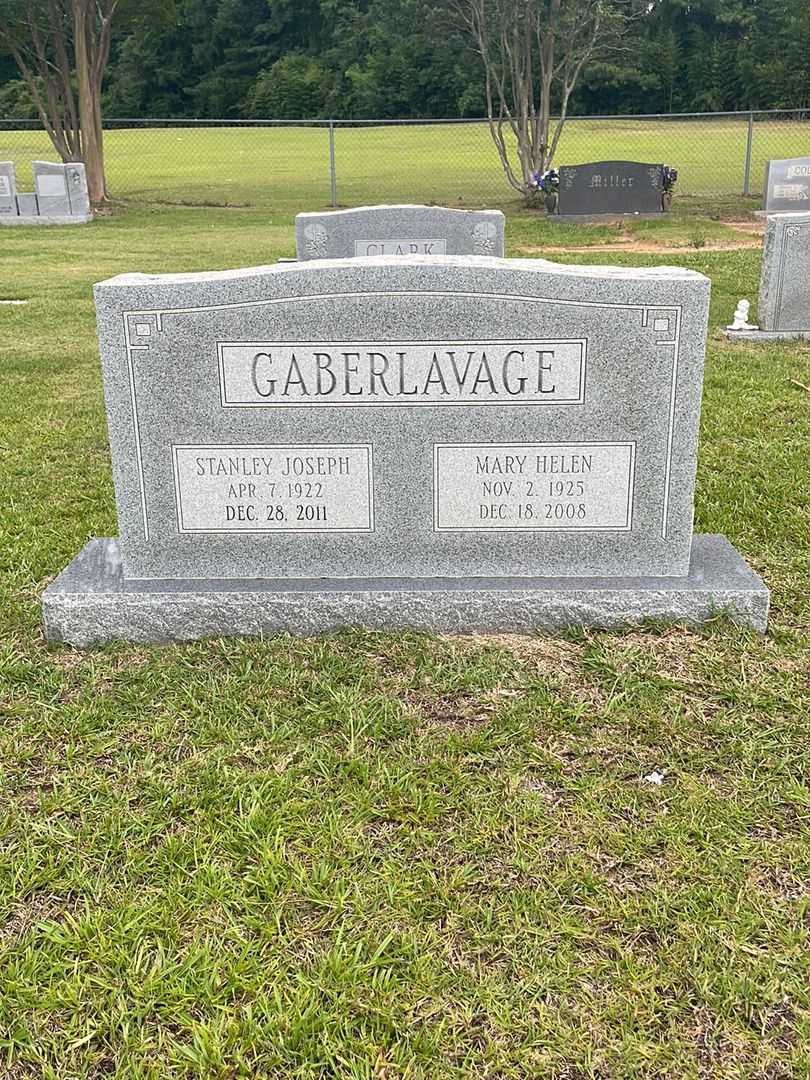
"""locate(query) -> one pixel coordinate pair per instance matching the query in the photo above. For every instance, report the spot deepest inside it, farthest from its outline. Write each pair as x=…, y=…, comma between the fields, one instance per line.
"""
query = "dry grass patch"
x=457, y=712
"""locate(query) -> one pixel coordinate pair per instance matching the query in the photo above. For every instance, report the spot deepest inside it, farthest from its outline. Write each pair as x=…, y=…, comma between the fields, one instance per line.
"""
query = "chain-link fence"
x=288, y=166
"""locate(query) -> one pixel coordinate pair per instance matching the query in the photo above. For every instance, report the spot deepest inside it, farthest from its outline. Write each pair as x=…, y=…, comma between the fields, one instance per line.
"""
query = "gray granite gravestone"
x=8, y=188
x=447, y=443
x=784, y=288
x=60, y=197
x=78, y=195
x=398, y=230
x=50, y=185
x=27, y=206
x=611, y=187
x=787, y=185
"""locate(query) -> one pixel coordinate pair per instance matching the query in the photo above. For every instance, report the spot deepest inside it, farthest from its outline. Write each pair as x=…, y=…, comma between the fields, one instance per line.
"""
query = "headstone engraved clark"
x=787, y=184
x=398, y=230
x=784, y=288
x=611, y=187
x=445, y=443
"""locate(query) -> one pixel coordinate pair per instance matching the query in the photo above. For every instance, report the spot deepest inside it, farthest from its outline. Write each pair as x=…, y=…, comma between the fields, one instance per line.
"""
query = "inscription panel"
x=263, y=489
x=583, y=486
x=402, y=373
x=400, y=247
x=50, y=184
x=787, y=184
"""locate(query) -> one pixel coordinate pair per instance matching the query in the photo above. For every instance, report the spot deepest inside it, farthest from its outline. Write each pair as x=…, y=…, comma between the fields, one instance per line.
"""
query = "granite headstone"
x=432, y=441
x=398, y=230
x=50, y=185
x=78, y=195
x=784, y=287
x=60, y=196
x=27, y=206
x=787, y=184
x=8, y=188
x=611, y=187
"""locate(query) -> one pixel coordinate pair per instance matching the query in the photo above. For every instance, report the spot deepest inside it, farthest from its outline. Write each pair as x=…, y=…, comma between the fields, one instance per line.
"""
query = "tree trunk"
x=89, y=106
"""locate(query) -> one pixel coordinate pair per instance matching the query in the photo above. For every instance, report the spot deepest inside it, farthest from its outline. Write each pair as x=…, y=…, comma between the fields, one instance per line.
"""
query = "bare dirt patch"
x=555, y=660
x=548, y=655
x=673, y=653
x=642, y=247
x=460, y=712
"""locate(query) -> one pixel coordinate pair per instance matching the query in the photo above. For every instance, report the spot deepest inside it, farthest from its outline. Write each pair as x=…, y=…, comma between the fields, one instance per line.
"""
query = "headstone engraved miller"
x=60, y=196
x=787, y=185
x=611, y=187
x=784, y=288
x=398, y=230
x=439, y=442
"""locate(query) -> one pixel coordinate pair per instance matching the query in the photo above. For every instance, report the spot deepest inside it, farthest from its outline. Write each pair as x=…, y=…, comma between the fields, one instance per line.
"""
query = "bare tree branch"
x=533, y=53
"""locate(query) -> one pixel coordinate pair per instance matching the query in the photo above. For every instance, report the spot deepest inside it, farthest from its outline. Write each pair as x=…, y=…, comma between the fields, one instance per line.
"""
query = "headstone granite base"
x=91, y=602
x=765, y=336
x=46, y=219
x=606, y=218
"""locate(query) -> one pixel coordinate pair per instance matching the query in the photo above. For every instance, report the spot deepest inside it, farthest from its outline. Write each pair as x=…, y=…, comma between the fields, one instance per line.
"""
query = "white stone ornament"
x=740, y=320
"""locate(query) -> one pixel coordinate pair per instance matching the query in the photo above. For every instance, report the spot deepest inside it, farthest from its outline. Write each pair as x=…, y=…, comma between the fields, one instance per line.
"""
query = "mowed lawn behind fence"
x=288, y=168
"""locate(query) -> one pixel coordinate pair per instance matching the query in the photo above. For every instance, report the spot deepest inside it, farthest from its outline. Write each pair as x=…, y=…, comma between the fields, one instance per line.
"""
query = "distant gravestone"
x=787, y=184
x=784, y=288
x=51, y=187
x=78, y=193
x=8, y=188
x=445, y=443
x=60, y=196
x=27, y=207
x=611, y=187
x=398, y=230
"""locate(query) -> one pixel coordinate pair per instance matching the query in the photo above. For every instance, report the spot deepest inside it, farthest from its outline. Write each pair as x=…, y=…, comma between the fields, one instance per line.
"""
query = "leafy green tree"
x=296, y=87
x=16, y=101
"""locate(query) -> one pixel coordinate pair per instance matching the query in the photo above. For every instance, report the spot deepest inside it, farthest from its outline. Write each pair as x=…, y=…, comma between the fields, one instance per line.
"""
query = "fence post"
x=748, y=149
x=332, y=172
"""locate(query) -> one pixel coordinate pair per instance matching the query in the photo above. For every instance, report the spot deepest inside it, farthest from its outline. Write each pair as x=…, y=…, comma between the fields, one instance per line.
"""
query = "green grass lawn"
x=287, y=169
x=384, y=857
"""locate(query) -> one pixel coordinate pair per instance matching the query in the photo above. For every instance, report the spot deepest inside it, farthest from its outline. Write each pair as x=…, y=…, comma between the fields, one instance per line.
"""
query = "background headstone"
x=611, y=187
x=398, y=230
x=27, y=204
x=76, y=178
x=784, y=291
x=50, y=185
x=787, y=184
x=60, y=196
x=8, y=188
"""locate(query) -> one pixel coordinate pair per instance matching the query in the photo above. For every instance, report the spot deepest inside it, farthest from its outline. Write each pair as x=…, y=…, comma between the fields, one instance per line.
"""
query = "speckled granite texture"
x=784, y=287
x=429, y=230
x=621, y=382
x=92, y=603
